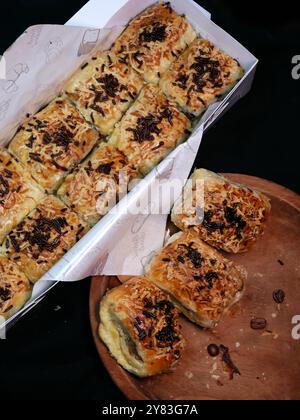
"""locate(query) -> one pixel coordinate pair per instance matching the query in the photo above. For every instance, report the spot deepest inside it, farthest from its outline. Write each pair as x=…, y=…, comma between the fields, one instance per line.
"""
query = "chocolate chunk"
x=258, y=324
x=279, y=296
x=213, y=350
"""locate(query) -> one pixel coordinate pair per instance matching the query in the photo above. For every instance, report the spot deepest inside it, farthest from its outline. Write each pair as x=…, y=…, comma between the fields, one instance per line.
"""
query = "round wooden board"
x=269, y=362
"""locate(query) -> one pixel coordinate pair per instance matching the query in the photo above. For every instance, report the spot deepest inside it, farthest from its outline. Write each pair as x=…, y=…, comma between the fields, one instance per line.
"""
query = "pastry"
x=99, y=183
x=103, y=89
x=150, y=130
x=52, y=142
x=15, y=288
x=201, y=283
x=41, y=239
x=227, y=215
x=19, y=193
x=153, y=40
x=140, y=327
x=201, y=76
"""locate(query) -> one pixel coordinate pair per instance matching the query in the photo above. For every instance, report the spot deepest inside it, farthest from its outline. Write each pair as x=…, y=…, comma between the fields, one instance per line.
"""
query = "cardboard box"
x=95, y=250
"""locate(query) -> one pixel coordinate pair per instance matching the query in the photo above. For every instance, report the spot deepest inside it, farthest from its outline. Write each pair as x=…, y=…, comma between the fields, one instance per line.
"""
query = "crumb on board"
x=189, y=374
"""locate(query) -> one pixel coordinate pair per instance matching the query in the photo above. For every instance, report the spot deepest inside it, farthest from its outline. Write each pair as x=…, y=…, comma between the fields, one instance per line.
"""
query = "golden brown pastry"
x=200, y=77
x=15, y=288
x=140, y=327
x=234, y=214
x=41, y=239
x=19, y=193
x=153, y=40
x=150, y=130
x=52, y=142
x=104, y=89
x=201, y=283
x=99, y=182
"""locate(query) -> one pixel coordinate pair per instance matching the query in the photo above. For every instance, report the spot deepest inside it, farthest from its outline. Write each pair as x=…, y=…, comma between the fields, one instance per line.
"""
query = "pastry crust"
x=15, y=288
x=234, y=215
x=104, y=89
x=41, y=239
x=140, y=327
x=153, y=40
x=51, y=143
x=19, y=193
x=150, y=130
x=200, y=77
x=104, y=178
x=201, y=283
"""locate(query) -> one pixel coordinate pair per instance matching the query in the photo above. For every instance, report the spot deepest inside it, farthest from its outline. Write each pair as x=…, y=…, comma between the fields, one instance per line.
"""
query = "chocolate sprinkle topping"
x=4, y=294
x=36, y=157
x=233, y=218
x=141, y=332
x=4, y=186
x=206, y=70
x=40, y=234
x=105, y=168
x=109, y=84
x=182, y=80
x=210, y=277
x=146, y=127
x=193, y=255
x=157, y=33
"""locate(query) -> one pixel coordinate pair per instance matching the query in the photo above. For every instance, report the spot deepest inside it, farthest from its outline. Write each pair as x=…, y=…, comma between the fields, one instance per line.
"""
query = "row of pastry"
x=138, y=320
x=123, y=111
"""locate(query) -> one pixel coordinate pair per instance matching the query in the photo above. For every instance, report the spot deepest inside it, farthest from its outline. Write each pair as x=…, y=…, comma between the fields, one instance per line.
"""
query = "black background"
x=50, y=353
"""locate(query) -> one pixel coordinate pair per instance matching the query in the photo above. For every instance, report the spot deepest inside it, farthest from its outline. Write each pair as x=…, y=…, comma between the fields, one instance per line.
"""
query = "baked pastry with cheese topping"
x=234, y=215
x=200, y=77
x=140, y=327
x=201, y=283
x=19, y=193
x=104, y=178
x=150, y=129
x=153, y=40
x=41, y=239
x=104, y=89
x=15, y=288
x=52, y=142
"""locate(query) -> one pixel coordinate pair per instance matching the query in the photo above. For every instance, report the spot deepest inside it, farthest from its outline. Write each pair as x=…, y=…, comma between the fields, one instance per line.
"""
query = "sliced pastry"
x=19, y=193
x=15, y=288
x=52, y=142
x=140, y=327
x=153, y=40
x=201, y=283
x=103, y=89
x=227, y=215
x=150, y=130
x=96, y=186
x=41, y=239
x=200, y=77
